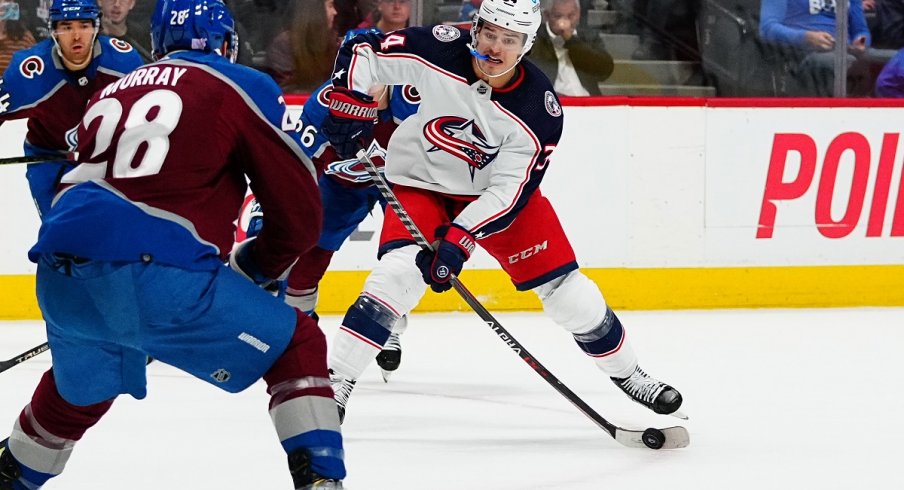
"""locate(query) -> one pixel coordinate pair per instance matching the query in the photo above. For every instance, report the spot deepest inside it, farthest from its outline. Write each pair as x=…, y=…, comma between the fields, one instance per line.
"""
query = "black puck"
x=653, y=438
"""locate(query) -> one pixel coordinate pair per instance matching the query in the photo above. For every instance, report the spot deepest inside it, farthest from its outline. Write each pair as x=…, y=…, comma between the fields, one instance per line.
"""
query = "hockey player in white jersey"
x=467, y=168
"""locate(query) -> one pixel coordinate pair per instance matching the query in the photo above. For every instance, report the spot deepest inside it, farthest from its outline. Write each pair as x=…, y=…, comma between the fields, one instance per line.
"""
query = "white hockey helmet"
x=517, y=15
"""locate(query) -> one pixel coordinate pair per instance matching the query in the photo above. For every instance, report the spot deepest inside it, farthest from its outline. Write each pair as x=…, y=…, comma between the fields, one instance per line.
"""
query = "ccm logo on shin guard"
x=530, y=252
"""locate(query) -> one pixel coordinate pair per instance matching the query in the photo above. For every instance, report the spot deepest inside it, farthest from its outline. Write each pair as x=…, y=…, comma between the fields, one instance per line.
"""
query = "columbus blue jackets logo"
x=446, y=33
x=461, y=138
x=31, y=66
x=352, y=170
x=552, y=104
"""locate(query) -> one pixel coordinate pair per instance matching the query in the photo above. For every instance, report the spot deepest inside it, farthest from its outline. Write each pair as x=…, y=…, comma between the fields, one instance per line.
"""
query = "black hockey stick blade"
x=672, y=437
x=4, y=365
x=33, y=159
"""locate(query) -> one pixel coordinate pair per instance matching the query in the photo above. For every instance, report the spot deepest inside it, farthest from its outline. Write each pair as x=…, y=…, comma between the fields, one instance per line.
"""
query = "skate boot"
x=9, y=469
x=342, y=389
x=390, y=357
x=650, y=392
x=305, y=478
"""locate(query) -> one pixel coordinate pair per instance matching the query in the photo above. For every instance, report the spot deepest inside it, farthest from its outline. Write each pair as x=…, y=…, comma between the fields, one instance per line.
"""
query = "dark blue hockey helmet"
x=73, y=10
x=202, y=25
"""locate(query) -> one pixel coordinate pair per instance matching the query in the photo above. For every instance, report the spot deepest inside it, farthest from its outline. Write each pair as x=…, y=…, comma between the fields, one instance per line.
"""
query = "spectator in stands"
x=350, y=13
x=889, y=30
x=389, y=15
x=301, y=57
x=808, y=27
x=890, y=82
x=468, y=9
x=116, y=22
x=574, y=60
x=35, y=14
x=13, y=34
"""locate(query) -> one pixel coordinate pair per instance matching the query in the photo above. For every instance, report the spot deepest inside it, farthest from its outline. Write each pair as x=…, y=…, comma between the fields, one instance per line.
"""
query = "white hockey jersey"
x=466, y=139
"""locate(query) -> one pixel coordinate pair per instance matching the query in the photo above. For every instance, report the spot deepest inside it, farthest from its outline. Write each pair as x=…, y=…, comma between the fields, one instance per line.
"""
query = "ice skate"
x=304, y=477
x=651, y=393
x=342, y=390
x=9, y=469
x=390, y=357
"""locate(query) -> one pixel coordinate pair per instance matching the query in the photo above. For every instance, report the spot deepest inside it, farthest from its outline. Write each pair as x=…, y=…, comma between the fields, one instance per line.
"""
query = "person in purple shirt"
x=890, y=82
x=808, y=26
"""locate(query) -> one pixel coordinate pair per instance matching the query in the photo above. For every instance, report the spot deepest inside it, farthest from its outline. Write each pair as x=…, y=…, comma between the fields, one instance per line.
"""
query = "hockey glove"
x=242, y=261
x=453, y=246
x=350, y=125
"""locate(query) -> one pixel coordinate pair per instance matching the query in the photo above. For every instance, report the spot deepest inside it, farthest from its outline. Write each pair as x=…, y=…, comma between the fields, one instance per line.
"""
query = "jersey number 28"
x=137, y=130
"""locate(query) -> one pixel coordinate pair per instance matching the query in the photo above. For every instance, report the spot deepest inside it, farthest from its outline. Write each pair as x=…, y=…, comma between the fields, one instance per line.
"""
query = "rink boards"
x=701, y=203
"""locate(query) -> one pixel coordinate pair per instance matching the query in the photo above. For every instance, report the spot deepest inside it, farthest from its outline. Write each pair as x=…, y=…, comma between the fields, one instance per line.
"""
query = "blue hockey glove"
x=242, y=261
x=350, y=125
x=453, y=246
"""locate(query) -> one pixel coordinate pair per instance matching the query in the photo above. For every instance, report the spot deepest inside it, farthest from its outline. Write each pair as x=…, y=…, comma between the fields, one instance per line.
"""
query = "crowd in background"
x=295, y=41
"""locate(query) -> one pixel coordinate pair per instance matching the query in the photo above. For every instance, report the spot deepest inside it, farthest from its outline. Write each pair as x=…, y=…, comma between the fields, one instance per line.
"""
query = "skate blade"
x=386, y=374
x=679, y=414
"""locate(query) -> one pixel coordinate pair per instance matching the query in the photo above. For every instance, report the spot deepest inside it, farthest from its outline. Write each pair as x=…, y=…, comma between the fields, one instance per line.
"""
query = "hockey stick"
x=32, y=159
x=4, y=365
x=667, y=438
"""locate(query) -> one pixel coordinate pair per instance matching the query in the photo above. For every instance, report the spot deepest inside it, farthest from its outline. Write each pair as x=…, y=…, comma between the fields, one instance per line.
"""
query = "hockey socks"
x=301, y=404
x=46, y=432
x=607, y=344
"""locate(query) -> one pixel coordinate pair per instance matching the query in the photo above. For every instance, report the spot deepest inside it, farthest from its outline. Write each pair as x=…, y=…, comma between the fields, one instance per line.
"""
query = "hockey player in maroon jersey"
x=50, y=83
x=467, y=168
x=130, y=255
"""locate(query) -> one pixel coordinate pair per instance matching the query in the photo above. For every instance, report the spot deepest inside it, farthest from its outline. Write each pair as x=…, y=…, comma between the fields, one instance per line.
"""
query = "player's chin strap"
x=484, y=57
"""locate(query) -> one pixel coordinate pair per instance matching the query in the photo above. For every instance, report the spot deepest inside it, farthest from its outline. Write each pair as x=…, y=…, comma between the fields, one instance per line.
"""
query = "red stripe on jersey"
x=361, y=337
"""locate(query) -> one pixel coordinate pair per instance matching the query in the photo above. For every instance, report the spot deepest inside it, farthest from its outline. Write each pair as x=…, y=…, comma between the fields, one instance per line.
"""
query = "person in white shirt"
x=575, y=61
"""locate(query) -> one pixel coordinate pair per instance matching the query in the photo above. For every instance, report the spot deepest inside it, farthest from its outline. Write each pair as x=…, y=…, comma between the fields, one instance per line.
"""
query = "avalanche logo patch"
x=353, y=170
x=552, y=104
x=410, y=94
x=463, y=139
x=323, y=97
x=446, y=33
x=31, y=66
x=120, y=45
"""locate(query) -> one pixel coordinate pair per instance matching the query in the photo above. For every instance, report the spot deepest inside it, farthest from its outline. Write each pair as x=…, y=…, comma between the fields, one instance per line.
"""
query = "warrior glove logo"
x=462, y=139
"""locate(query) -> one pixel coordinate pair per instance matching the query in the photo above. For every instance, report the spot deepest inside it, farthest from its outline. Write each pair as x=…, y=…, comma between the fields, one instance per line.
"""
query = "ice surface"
x=778, y=399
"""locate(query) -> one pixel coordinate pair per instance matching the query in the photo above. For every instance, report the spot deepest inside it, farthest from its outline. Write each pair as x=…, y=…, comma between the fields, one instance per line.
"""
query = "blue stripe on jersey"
x=93, y=220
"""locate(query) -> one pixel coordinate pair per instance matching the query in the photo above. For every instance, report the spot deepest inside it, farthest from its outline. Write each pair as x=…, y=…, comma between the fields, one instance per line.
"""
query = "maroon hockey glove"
x=350, y=125
x=453, y=246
